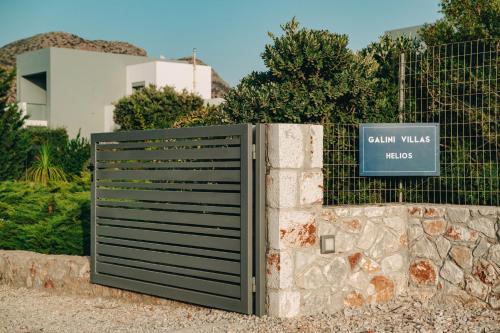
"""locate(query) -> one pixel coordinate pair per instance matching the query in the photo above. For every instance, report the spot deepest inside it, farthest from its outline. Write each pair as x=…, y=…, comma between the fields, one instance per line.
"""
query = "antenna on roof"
x=194, y=69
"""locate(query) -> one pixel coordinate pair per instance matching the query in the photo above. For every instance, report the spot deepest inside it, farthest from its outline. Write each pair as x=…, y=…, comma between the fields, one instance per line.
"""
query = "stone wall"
x=455, y=250
x=59, y=274
x=380, y=251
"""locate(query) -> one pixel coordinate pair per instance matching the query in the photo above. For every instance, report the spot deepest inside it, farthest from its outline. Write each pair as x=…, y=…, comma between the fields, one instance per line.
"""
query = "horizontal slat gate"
x=172, y=214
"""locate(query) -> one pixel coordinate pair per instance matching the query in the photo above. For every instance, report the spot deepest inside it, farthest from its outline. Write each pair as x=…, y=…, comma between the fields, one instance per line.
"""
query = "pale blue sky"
x=229, y=35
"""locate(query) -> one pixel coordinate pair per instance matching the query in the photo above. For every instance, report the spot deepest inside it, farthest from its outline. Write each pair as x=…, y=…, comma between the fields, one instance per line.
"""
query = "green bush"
x=151, y=108
x=69, y=154
x=51, y=219
x=14, y=142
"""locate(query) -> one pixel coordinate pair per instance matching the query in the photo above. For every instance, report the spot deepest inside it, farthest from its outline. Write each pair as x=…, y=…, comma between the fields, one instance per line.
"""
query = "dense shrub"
x=69, y=154
x=206, y=116
x=47, y=219
x=311, y=77
x=151, y=108
x=14, y=142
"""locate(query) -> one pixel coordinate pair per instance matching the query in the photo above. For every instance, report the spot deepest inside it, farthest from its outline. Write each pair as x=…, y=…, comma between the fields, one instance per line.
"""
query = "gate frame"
x=253, y=227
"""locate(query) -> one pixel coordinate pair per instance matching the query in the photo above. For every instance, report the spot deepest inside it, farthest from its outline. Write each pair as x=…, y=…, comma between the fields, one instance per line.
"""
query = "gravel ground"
x=23, y=310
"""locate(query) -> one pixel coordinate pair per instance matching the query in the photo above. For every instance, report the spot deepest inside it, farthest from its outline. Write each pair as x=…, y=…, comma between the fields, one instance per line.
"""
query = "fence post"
x=401, y=106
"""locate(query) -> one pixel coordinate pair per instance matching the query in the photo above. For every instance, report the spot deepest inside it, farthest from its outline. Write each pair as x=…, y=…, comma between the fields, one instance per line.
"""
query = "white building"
x=76, y=89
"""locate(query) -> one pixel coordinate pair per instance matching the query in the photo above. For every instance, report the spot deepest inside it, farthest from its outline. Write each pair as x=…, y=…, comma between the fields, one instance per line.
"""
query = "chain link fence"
x=455, y=85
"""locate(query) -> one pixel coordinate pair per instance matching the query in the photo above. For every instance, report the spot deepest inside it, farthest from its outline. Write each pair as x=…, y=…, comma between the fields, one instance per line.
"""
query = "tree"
x=311, y=77
x=14, y=141
x=151, y=108
x=464, y=20
x=386, y=53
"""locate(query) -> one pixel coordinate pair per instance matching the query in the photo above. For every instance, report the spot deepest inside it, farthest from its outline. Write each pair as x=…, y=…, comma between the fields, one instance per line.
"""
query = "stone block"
x=452, y=273
x=485, y=272
x=484, y=225
x=423, y=273
x=335, y=272
x=285, y=304
x=385, y=244
x=462, y=256
x=326, y=228
x=285, y=146
x=481, y=248
x=311, y=188
x=354, y=260
x=415, y=231
x=344, y=241
x=457, y=232
x=368, y=236
x=476, y=288
x=368, y=265
x=290, y=228
x=311, y=278
x=424, y=248
x=280, y=269
x=359, y=281
x=313, y=301
x=315, y=147
x=304, y=235
x=351, y=224
x=354, y=300
x=457, y=214
x=282, y=188
x=392, y=263
x=494, y=255
x=396, y=223
x=328, y=215
x=384, y=289
x=443, y=246
x=374, y=211
x=494, y=301
x=434, y=227
x=431, y=212
x=415, y=211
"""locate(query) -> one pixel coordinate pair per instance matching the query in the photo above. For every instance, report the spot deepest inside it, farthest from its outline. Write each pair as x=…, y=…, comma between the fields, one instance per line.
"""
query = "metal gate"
x=177, y=213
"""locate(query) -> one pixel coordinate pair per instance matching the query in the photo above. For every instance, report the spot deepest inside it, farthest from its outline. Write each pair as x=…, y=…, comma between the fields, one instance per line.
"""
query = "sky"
x=229, y=35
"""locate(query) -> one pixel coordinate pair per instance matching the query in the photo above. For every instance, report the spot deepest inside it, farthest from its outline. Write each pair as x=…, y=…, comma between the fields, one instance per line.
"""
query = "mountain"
x=9, y=52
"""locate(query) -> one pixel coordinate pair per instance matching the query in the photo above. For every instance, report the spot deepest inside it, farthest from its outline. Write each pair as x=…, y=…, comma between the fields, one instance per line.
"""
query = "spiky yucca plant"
x=42, y=171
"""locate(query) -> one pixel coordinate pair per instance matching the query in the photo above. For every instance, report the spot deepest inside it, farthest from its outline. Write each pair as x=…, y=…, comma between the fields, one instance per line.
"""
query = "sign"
x=399, y=149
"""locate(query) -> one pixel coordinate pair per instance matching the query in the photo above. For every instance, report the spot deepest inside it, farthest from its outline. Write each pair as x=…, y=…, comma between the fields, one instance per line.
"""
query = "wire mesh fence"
x=455, y=85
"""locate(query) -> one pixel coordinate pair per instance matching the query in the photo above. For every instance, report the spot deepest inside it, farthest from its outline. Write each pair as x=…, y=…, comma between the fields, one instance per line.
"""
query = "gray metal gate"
x=173, y=214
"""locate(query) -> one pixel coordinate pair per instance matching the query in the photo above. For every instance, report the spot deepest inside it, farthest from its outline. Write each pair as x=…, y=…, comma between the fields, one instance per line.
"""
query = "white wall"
x=175, y=74
x=141, y=72
x=180, y=76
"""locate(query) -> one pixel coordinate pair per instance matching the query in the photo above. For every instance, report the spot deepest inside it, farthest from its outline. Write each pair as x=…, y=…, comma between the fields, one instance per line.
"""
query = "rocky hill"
x=9, y=52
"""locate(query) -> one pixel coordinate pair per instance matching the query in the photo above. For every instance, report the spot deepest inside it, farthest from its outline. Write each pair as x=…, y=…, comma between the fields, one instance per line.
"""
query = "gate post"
x=294, y=197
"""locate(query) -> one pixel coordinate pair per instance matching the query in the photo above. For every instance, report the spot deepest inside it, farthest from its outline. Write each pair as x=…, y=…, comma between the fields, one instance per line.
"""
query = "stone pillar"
x=294, y=191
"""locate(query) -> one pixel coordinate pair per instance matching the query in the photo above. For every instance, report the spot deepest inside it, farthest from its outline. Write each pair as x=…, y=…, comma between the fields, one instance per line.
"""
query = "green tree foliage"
x=206, y=116
x=43, y=170
x=51, y=219
x=464, y=20
x=311, y=77
x=150, y=108
x=386, y=53
x=69, y=154
x=14, y=141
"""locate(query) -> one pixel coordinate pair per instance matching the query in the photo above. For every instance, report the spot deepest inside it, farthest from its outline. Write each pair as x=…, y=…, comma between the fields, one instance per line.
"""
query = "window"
x=138, y=85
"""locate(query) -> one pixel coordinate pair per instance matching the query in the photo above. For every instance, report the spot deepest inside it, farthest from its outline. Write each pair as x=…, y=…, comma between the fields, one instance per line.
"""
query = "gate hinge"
x=254, y=286
x=254, y=154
